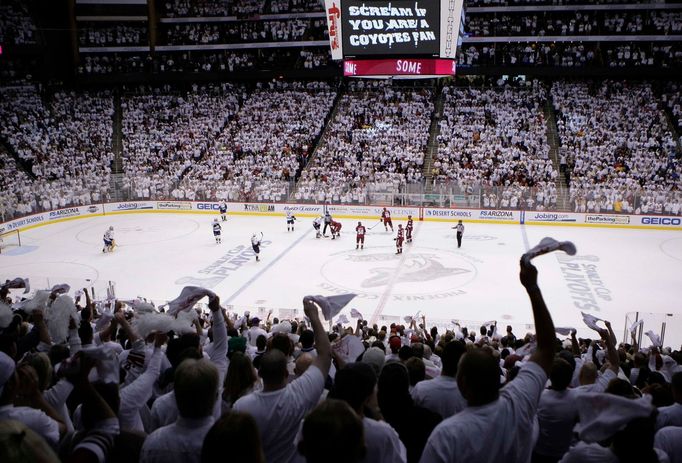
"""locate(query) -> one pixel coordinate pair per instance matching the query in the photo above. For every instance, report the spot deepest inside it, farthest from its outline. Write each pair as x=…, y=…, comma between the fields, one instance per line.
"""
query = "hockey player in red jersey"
x=408, y=229
x=336, y=229
x=386, y=217
x=399, y=239
x=360, y=236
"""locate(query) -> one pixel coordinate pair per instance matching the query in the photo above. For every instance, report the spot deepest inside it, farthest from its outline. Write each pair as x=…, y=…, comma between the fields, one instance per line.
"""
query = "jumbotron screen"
x=368, y=29
x=397, y=27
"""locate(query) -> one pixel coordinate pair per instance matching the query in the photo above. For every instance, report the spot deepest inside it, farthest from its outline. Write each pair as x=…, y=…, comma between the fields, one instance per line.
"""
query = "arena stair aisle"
x=117, y=135
x=321, y=140
x=21, y=163
x=555, y=152
x=432, y=147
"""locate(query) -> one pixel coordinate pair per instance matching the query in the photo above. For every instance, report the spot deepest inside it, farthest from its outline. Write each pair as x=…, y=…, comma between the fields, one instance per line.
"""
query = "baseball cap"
x=395, y=342
x=375, y=357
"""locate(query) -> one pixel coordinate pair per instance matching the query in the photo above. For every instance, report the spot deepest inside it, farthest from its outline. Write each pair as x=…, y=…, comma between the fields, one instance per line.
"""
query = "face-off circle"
x=421, y=271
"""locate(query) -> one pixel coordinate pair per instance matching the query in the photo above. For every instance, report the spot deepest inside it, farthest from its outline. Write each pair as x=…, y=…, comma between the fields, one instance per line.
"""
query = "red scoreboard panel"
x=417, y=67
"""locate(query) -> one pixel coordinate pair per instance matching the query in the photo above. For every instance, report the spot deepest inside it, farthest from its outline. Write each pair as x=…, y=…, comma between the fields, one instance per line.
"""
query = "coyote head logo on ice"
x=418, y=268
x=423, y=271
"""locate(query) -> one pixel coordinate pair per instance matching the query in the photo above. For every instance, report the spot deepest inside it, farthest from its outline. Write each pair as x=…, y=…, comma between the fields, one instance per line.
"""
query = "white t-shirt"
x=279, y=413
x=383, y=443
x=557, y=415
x=36, y=420
x=440, y=395
x=179, y=442
x=595, y=453
x=498, y=431
x=669, y=416
x=253, y=333
x=669, y=440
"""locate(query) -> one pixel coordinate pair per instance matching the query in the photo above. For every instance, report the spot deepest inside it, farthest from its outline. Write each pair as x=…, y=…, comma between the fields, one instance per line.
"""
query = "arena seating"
x=618, y=147
x=16, y=25
x=549, y=23
x=66, y=141
x=377, y=139
x=496, y=138
x=164, y=135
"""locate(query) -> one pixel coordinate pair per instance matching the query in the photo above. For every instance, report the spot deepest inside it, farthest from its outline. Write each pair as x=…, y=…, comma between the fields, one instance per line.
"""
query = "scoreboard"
x=401, y=27
x=392, y=31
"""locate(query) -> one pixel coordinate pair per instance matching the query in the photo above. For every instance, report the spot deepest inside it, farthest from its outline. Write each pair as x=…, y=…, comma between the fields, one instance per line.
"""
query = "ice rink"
x=616, y=271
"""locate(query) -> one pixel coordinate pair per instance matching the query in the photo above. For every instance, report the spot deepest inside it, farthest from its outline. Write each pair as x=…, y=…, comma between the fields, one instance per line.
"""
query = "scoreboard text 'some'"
x=397, y=28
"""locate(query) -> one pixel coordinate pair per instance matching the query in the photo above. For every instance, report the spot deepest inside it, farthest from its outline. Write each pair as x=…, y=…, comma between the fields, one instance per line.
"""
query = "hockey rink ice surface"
x=616, y=271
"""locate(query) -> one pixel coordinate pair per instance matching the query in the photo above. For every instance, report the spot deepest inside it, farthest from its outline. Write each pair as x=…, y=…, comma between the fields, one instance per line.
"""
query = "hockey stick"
x=379, y=222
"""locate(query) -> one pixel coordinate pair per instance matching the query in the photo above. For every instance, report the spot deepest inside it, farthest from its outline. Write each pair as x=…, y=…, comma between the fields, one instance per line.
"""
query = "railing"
x=51, y=195
x=656, y=322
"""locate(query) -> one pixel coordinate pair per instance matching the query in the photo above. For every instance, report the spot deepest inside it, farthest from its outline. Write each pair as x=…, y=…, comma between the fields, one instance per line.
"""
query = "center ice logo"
x=418, y=268
x=421, y=271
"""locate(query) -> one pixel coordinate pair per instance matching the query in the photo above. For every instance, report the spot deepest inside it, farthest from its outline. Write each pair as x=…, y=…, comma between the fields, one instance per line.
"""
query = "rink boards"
x=509, y=217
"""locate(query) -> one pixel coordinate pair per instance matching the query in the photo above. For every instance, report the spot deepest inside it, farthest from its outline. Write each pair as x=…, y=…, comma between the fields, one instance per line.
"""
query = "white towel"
x=189, y=296
x=603, y=415
x=331, y=306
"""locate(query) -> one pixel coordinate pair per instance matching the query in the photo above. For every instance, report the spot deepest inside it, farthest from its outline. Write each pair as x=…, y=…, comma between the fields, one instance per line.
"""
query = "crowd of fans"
x=65, y=139
x=617, y=147
x=120, y=35
x=228, y=143
x=376, y=140
x=213, y=61
x=236, y=143
x=314, y=59
x=672, y=99
x=528, y=54
x=642, y=55
x=496, y=137
x=261, y=151
x=117, y=381
x=165, y=135
x=16, y=25
x=290, y=30
x=573, y=23
x=573, y=54
x=199, y=8
x=239, y=8
x=13, y=179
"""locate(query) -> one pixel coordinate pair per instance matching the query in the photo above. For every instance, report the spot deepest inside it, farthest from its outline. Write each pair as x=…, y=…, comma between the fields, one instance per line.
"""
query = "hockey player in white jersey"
x=216, y=231
x=255, y=244
x=223, y=211
x=109, y=242
x=291, y=218
x=317, y=223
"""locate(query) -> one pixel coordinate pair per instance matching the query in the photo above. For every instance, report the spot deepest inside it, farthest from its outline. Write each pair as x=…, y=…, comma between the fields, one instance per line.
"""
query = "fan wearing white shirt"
x=441, y=394
x=558, y=410
x=255, y=331
x=669, y=439
x=356, y=383
x=39, y=416
x=672, y=414
x=497, y=424
x=279, y=408
x=196, y=387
